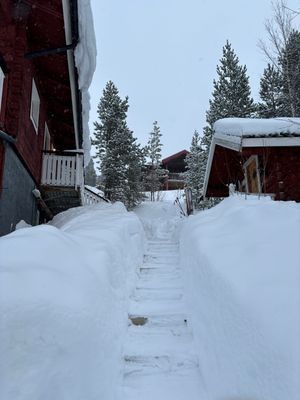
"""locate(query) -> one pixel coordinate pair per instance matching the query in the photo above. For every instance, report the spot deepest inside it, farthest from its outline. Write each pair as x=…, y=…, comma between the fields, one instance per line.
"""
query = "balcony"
x=63, y=169
x=176, y=177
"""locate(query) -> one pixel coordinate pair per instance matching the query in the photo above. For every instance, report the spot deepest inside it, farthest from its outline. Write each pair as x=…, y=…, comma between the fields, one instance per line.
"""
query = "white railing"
x=62, y=170
x=91, y=198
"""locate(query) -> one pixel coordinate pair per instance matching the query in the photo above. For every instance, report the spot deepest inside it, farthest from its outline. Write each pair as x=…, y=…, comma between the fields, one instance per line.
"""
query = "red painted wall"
x=15, y=118
x=282, y=170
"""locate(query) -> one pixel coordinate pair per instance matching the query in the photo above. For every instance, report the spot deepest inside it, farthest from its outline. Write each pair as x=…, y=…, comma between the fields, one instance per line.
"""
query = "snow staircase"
x=159, y=359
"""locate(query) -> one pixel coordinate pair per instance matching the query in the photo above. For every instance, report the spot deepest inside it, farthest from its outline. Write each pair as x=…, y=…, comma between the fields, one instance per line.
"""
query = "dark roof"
x=180, y=154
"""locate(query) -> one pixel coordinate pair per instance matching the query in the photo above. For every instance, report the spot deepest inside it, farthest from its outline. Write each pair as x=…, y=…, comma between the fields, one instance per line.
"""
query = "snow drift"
x=63, y=302
x=242, y=261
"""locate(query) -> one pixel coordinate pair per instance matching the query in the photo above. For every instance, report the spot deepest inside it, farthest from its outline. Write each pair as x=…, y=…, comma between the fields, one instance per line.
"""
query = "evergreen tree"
x=90, y=174
x=134, y=163
x=194, y=168
x=116, y=148
x=271, y=93
x=153, y=151
x=231, y=97
x=289, y=62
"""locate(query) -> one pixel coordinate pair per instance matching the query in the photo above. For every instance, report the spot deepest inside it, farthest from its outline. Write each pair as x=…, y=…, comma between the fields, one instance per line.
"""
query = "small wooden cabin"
x=260, y=156
x=41, y=129
x=176, y=166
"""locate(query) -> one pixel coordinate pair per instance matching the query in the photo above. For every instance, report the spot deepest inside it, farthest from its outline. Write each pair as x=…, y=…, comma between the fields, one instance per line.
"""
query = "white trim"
x=35, y=106
x=245, y=165
x=271, y=141
x=208, y=165
x=2, y=77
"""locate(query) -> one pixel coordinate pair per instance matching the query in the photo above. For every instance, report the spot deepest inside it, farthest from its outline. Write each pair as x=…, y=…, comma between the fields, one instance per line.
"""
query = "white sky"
x=163, y=54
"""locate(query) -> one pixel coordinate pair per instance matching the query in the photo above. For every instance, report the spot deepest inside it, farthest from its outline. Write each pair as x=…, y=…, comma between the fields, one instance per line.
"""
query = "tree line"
x=127, y=169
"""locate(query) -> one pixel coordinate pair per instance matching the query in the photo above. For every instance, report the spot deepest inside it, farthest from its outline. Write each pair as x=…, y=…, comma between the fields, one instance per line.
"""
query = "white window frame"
x=35, y=106
x=2, y=77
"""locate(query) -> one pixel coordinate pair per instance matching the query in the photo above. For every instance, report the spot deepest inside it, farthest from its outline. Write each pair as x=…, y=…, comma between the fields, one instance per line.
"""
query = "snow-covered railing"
x=91, y=197
x=62, y=169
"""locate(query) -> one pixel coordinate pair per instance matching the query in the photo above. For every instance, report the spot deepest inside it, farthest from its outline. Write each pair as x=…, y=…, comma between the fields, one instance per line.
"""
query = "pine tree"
x=289, y=62
x=153, y=151
x=117, y=149
x=194, y=169
x=231, y=97
x=109, y=134
x=271, y=93
x=90, y=174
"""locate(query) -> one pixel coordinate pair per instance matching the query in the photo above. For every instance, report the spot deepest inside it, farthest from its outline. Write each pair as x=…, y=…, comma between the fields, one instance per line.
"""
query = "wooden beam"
x=49, y=52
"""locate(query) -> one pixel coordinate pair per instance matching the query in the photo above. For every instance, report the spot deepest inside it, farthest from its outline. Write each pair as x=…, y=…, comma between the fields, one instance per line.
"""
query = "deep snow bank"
x=63, y=295
x=242, y=261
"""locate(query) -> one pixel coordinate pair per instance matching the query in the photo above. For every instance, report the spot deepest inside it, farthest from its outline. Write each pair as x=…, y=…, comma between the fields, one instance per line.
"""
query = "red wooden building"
x=257, y=155
x=41, y=132
x=176, y=166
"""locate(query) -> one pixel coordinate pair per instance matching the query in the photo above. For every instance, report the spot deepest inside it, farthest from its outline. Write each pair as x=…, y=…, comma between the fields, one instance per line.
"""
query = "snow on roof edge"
x=85, y=60
x=257, y=127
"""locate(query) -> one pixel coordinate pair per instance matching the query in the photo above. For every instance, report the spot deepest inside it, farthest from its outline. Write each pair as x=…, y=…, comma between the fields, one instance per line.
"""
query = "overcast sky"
x=163, y=54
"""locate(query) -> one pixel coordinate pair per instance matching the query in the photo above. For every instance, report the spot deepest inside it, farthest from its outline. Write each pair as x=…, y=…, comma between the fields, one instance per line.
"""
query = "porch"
x=62, y=182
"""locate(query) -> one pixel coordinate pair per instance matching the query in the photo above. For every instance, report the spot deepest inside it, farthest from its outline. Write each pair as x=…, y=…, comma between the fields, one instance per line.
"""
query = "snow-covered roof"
x=257, y=127
x=85, y=60
x=238, y=133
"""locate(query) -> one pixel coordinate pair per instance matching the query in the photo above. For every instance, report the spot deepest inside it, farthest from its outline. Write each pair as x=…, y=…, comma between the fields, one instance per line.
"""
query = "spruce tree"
x=90, y=174
x=231, y=97
x=289, y=62
x=153, y=150
x=271, y=93
x=194, y=169
x=117, y=149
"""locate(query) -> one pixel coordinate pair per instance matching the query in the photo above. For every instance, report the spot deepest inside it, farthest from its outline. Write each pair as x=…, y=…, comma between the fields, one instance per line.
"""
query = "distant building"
x=257, y=156
x=176, y=166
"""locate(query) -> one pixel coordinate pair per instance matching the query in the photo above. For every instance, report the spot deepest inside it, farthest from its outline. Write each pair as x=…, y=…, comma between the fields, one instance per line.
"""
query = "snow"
x=159, y=359
x=256, y=127
x=106, y=304
x=242, y=261
x=85, y=60
x=96, y=191
x=64, y=293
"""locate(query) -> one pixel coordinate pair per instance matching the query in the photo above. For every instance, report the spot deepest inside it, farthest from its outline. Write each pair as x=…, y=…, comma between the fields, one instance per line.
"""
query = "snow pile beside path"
x=242, y=261
x=63, y=302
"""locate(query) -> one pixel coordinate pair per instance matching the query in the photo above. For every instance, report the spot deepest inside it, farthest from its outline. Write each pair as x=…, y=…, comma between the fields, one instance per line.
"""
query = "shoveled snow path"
x=159, y=358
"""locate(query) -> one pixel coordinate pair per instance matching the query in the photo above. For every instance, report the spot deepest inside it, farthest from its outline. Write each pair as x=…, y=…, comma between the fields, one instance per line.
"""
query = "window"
x=47, y=139
x=1, y=85
x=35, y=106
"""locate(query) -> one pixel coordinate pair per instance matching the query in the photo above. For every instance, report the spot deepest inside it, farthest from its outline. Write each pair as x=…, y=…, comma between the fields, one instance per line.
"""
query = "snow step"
x=150, y=307
x=147, y=340
x=164, y=320
x=156, y=271
x=161, y=259
x=156, y=294
x=160, y=364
